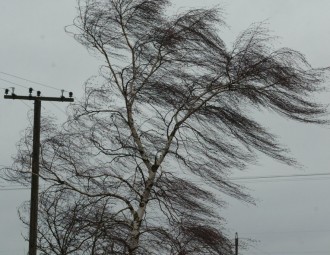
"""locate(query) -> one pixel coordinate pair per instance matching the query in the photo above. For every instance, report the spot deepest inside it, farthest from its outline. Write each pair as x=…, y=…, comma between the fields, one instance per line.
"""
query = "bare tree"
x=163, y=126
x=73, y=224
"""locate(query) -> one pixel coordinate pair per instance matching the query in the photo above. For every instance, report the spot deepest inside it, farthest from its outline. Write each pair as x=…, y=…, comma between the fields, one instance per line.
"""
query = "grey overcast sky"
x=292, y=214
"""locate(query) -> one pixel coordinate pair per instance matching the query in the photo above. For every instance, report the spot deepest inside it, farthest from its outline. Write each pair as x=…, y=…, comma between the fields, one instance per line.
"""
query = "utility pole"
x=236, y=244
x=35, y=159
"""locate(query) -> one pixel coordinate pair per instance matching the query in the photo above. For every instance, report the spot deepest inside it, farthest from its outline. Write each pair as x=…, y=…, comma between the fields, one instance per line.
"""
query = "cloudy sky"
x=292, y=214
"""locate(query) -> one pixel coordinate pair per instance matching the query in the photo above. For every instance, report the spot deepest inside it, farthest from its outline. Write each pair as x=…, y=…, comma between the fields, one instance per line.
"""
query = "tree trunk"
x=139, y=214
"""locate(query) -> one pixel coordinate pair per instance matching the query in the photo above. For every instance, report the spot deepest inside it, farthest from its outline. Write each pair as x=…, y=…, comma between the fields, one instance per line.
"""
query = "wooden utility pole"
x=236, y=244
x=35, y=159
x=35, y=179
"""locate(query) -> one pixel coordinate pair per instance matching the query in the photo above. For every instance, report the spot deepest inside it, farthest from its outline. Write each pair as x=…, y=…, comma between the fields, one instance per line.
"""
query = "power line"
x=8, y=189
x=60, y=109
x=243, y=179
x=299, y=179
x=293, y=252
x=286, y=232
x=13, y=83
x=34, y=82
x=273, y=178
x=278, y=176
x=3, y=185
x=26, y=105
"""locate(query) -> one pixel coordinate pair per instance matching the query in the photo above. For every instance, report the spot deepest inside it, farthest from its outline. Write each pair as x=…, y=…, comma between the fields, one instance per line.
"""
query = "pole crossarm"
x=58, y=99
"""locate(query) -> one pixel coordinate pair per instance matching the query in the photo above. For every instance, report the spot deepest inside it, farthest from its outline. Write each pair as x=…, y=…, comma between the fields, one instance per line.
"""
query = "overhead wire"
x=9, y=189
x=286, y=232
x=273, y=178
x=13, y=83
x=278, y=176
x=25, y=104
x=246, y=180
x=293, y=252
x=60, y=109
x=31, y=81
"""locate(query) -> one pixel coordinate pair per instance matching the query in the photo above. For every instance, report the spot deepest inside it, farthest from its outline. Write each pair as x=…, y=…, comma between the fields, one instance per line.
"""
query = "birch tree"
x=152, y=144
